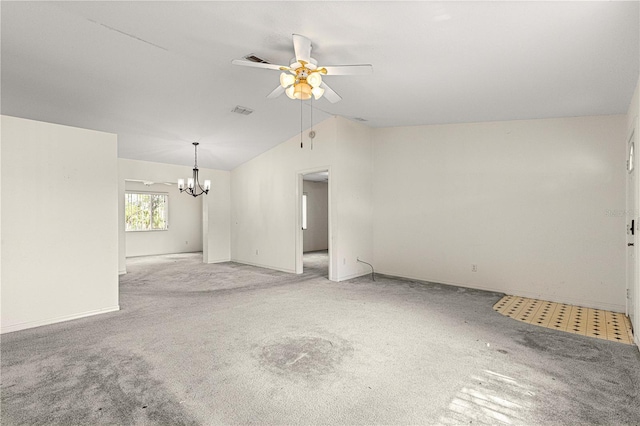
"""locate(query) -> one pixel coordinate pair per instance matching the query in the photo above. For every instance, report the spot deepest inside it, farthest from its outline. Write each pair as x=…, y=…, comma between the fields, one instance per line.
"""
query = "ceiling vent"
x=253, y=58
x=242, y=110
x=359, y=119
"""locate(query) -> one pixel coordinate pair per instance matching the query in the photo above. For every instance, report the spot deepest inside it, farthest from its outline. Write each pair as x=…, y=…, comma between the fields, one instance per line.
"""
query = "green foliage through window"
x=146, y=211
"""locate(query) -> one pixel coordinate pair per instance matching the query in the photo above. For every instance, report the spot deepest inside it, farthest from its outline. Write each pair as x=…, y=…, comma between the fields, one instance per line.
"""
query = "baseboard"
x=40, y=323
x=356, y=275
x=290, y=271
x=219, y=260
x=568, y=300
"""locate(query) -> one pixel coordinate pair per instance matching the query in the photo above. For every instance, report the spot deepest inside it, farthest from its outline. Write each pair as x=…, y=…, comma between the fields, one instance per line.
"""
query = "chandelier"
x=303, y=81
x=193, y=185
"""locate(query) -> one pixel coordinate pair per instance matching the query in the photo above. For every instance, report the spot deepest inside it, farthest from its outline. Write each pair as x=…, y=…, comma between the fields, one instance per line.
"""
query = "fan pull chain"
x=301, y=122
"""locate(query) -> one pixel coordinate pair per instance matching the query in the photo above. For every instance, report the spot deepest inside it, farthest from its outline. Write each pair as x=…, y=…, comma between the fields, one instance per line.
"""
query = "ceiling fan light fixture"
x=317, y=92
x=314, y=79
x=302, y=91
x=287, y=80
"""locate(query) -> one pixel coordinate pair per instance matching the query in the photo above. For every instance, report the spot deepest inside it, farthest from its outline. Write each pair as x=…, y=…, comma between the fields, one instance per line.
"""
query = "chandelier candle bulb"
x=190, y=184
x=207, y=185
x=180, y=184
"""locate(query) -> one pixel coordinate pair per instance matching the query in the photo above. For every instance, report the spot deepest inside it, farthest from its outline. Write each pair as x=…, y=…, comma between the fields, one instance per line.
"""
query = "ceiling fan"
x=303, y=78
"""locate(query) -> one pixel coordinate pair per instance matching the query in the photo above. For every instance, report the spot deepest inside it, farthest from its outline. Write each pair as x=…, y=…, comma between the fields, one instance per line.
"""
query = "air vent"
x=253, y=58
x=359, y=119
x=242, y=110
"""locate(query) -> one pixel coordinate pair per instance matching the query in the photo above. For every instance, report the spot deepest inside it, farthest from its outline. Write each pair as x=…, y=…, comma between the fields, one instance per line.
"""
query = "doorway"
x=313, y=250
x=632, y=216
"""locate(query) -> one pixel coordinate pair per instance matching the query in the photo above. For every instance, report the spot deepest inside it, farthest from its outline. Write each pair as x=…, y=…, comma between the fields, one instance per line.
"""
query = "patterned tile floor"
x=571, y=319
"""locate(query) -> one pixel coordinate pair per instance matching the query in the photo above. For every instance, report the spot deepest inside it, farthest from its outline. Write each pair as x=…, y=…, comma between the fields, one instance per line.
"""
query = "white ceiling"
x=159, y=74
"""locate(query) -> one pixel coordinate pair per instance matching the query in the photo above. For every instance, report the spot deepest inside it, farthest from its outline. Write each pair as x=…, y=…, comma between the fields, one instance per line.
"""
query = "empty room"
x=316, y=212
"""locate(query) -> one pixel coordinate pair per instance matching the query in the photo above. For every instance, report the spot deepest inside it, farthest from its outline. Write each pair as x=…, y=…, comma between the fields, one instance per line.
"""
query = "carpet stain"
x=304, y=356
x=101, y=388
x=561, y=347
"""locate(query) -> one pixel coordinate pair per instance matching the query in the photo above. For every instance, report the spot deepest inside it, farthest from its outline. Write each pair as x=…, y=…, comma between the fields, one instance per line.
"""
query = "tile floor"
x=571, y=319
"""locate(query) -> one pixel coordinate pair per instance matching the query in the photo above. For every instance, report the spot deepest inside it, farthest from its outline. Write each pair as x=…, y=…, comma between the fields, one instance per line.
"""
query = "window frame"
x=166, y=210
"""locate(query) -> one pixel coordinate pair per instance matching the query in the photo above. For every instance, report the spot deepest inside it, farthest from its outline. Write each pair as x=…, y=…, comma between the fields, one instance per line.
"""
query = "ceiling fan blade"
x=349, y=69
x=302, y=47
x=276, y=92
x=246, y=63
x=331, y=96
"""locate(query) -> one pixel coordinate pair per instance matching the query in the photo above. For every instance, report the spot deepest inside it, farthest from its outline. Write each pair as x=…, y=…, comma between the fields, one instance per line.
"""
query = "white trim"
x=356, y=275
x=568, y=300
x=122, y=271
x=220, y=260
x=40, y=323
x=632, y=134
x=242, y=262
x=298, y=244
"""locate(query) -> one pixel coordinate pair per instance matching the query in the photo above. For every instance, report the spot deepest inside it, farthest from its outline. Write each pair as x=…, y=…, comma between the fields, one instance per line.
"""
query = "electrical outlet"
x=474, y=268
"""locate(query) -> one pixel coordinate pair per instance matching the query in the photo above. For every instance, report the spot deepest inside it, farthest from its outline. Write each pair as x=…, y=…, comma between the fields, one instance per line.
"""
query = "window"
x=304, y=211
x=146, y=211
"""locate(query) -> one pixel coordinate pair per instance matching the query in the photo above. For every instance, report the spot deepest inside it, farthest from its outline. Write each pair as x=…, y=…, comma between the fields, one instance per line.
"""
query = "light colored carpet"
x=235, y=344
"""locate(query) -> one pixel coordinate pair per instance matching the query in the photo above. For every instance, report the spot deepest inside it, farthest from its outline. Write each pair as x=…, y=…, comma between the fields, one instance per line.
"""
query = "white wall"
x=59, y=223
x=215, y=213
x=185, y=224
x=265, y=200
x=217, y=217
x=352, y=183
x=527, y=201
x=316, y=236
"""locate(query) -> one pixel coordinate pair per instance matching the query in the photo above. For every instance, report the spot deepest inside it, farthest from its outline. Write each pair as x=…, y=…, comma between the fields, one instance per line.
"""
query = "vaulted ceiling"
x=159, y=74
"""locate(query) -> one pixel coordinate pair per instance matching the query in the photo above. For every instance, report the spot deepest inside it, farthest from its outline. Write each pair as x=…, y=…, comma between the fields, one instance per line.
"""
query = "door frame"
x=298, y=222
x=633, y=214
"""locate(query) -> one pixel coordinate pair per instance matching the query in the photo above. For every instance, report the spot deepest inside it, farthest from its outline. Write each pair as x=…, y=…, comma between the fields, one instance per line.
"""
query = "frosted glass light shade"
x=207, y=185
x=180, y=184
x=289, y=92
x=317, y=92
x=190, y=183
x=302, y=91
x=286, y=80
x=314, y=79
